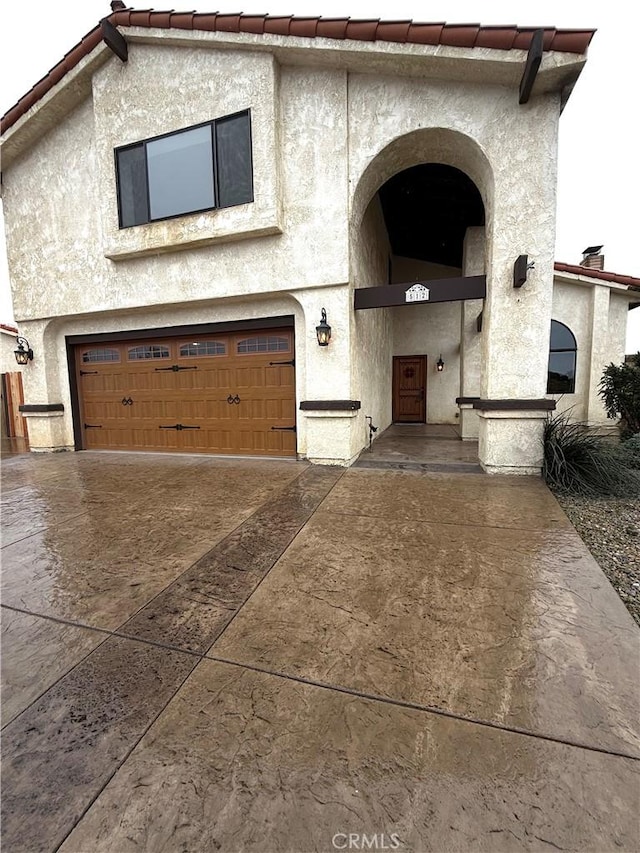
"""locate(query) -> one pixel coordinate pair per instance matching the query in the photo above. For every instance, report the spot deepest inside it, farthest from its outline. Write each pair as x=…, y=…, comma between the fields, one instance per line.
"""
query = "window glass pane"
x=264, y=344
x=562, y=373
x=103, y=354
x=233, y=151
x=132, y=186
x=561, y=336
x=180, y=171
x=148, y=351
x=203, y=348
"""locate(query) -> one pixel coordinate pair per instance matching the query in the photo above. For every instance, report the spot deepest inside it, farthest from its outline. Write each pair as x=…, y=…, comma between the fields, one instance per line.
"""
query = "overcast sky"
x=599, y=183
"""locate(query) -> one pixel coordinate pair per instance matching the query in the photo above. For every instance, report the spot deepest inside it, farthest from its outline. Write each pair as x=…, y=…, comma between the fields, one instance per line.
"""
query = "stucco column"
x=48, y=418
x=333, y=432
x=516, y=321
x=473, y=263
x=599, y=350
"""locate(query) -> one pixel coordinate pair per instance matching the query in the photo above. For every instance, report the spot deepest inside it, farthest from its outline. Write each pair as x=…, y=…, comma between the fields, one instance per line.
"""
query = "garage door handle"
x=176, y=368
x=179, y=427
x=231, y=399
x=127, y=401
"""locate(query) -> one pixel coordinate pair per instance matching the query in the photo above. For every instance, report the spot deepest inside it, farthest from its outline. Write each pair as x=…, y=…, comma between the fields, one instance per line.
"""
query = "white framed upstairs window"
x=192, y=170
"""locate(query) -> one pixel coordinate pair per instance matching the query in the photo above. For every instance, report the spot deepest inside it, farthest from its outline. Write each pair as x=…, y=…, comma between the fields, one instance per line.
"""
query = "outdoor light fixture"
x=440, y=364
x=24, y=353
x=323, y=330
x=520, y=269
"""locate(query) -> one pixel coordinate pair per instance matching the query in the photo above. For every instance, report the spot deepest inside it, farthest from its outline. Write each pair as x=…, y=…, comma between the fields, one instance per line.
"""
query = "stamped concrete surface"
x=204, y=654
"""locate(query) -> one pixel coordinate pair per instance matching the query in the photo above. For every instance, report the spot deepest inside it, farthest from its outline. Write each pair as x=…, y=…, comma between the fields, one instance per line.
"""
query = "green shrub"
x=577, y=461
x=620, y=392
x=630, y=450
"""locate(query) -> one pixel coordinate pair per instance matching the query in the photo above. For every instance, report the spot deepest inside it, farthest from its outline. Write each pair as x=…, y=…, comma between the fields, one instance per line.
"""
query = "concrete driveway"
x=204, y=655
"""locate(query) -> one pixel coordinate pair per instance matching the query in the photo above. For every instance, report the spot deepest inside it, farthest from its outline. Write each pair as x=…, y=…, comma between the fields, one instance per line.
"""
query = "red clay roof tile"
x=425, y=33
x=393, y=31
x=227, y=23
x=499, y=38
x=362, y=30
x=304, y=27
x=278, y=25
x=455, y=35
x=252, y=24
x=330, y=28
x=603, y=275
x=460, y=35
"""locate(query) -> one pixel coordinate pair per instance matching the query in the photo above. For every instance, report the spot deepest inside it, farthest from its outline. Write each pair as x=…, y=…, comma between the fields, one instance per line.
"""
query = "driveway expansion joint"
x=415, y=706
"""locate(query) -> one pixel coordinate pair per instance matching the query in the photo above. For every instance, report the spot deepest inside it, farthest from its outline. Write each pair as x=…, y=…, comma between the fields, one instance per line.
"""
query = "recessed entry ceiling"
x=427, y=210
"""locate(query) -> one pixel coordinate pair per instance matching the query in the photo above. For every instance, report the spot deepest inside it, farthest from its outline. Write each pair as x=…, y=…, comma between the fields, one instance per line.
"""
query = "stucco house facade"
x=186, y=196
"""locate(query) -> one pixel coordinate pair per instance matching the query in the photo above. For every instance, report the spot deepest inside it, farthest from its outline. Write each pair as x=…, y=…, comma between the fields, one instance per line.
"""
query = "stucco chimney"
x=592, y=259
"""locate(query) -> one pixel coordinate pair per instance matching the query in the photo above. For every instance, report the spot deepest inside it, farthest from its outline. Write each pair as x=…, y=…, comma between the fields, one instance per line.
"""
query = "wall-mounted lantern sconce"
x=520, y=270
x=323, y=330
x=440, y=364
x=24, y=353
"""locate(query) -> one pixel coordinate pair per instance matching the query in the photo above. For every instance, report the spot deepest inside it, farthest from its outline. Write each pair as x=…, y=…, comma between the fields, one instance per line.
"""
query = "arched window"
x=561, y=378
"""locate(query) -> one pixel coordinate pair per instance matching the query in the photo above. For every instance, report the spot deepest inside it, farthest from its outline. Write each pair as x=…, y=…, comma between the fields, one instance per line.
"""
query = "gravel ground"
x=610, y=527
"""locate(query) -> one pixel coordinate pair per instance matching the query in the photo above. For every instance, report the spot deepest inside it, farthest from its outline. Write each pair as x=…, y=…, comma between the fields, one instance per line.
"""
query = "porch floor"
x=424, y=447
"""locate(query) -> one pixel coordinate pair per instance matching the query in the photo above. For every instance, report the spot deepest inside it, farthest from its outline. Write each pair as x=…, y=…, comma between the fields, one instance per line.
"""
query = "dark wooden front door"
x=410, y=389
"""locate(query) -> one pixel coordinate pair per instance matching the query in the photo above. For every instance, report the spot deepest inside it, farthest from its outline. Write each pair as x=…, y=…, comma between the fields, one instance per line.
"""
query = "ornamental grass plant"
x=577, y=461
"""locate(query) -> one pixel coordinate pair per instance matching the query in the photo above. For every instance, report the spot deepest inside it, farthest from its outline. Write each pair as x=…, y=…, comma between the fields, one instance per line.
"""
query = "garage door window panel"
x=148, y=352
x=271, y=343
x=202, y=348
x=102, y=354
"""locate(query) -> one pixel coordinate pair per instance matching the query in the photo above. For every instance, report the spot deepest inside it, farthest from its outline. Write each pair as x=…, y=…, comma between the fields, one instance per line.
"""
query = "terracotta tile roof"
x=576, y=269
x=506, y=37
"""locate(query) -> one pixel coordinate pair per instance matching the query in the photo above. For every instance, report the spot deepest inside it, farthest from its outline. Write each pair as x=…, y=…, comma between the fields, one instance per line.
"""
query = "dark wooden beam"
x=330, y=405
x=114, y=40
x=543, y=405
x=439, y=290
x=534, y=58
x=41, y=407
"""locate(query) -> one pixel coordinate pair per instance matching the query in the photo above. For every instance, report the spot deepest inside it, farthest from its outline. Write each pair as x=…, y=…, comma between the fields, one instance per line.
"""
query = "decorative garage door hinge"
x=179, y=427
x=93, y=426
x=177, y=367
x=292, y=362
x=87, y=372
x=286, y=429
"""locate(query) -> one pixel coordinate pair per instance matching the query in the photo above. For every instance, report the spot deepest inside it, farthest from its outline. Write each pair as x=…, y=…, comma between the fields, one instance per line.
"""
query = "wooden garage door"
x=230, y=394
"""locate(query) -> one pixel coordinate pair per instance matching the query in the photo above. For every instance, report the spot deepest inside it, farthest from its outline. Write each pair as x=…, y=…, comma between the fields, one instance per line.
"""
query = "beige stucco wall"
x=597, y=316
x=325, y=139
x=372, y=330
x=67, y=184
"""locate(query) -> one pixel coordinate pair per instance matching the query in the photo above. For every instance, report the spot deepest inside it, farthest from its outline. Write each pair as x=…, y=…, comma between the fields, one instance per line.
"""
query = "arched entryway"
x=423, y=228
